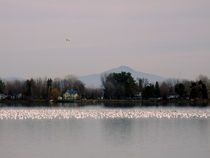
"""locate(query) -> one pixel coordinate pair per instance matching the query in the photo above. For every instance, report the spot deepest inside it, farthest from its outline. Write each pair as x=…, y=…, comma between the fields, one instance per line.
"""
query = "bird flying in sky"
x=67, y=40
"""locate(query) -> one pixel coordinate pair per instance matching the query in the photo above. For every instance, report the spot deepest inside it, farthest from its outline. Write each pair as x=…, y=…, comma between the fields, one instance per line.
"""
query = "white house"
x=70, y=94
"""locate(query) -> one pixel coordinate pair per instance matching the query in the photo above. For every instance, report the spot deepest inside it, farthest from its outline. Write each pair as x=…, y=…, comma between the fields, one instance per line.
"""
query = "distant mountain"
x=13, y=79
x=94, y=80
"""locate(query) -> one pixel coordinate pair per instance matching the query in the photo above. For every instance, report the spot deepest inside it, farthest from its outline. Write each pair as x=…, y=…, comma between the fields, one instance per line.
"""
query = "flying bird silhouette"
x=67, y=40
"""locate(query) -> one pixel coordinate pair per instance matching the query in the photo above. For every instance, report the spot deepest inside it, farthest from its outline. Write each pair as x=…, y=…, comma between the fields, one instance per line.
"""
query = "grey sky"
x=170, y=38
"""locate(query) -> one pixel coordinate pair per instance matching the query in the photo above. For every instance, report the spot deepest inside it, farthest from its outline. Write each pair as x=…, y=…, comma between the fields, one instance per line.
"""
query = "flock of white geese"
x=80, y=113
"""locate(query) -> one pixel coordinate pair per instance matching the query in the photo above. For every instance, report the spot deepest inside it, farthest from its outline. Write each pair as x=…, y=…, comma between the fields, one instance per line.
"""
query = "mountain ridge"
x=94, y=80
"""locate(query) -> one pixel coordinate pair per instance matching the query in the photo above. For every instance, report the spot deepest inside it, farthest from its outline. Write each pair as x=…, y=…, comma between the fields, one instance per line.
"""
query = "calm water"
x=93, y=132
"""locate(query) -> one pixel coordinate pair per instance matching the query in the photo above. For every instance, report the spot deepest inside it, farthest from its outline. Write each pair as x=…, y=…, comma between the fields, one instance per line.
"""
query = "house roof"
x=71, y=91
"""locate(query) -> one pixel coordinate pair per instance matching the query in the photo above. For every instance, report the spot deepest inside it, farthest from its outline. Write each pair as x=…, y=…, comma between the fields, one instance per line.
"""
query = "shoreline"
x=110, y=102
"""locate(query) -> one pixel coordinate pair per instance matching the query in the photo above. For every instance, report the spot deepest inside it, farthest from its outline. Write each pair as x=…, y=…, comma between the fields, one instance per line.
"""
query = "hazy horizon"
x=162, y=37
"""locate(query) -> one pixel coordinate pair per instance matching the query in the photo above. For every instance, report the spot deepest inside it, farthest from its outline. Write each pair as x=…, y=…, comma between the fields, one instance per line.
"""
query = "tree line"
x=123, y=86
x=114, y=86
x=47, y=88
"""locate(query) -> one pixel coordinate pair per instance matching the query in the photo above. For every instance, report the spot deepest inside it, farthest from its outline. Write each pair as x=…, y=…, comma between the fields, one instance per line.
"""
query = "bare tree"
x=164, y=90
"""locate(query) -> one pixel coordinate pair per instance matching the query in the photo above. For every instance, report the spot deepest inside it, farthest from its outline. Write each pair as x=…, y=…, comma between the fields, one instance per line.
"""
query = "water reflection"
x=117, y=131
x=105, y=138
x=104, y=132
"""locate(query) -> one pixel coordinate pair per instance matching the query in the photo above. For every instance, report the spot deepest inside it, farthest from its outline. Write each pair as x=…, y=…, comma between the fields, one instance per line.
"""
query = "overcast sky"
x=170, y=38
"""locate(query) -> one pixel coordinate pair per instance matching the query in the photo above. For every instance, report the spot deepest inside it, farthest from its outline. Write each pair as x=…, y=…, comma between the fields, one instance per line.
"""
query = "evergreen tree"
x=204, y=92
x=180, y=89
x=119, y=86
x=30, y=84
x=2, y=86
x=157, y=90
x=49, y=87
x=198, y=90
x=149, y=91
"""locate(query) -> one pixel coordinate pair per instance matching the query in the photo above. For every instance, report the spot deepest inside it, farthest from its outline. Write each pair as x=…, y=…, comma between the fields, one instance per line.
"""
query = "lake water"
x=99, y=132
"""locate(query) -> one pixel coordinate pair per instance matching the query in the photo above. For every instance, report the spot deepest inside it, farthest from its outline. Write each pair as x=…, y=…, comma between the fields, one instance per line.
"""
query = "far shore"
x=109, y=102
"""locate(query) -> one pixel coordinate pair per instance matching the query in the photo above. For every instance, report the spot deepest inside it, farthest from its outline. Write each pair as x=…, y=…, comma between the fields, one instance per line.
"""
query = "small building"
x=15, y=96
x=173, y=96
x=2, y=96
x=138, y=95
x=60, y=98
x=70, y=94
x=19, y=96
